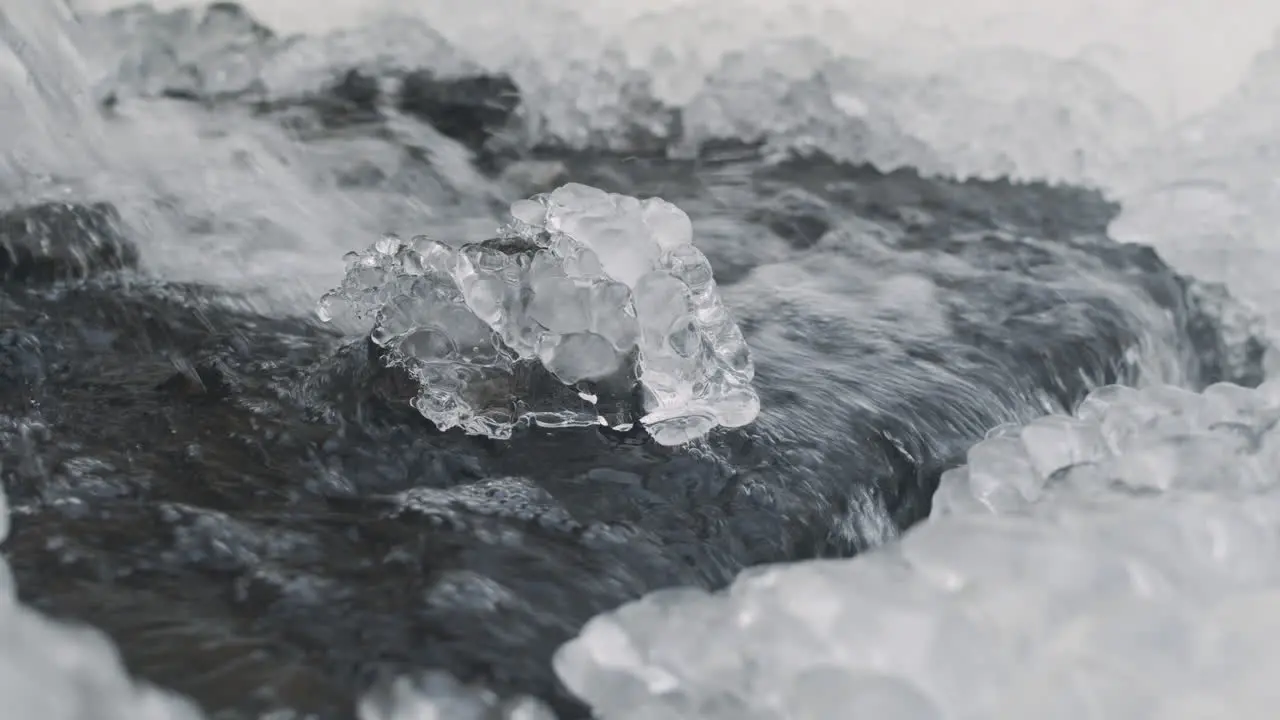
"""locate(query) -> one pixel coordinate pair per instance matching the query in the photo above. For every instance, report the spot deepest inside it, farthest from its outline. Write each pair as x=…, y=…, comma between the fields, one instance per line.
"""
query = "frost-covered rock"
x=975, y=112
x=1128, y=547
x=1123, y=443
x=796, y=97
x=598, y=288
x=1017, y=113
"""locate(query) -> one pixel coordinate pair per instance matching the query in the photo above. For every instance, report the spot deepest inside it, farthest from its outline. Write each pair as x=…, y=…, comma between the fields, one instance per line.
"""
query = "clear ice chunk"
x=596, y=289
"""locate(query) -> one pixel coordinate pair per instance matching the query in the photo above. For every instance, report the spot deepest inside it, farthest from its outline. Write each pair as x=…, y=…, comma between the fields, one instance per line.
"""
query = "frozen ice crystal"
x=598, y=289
x=1118, y=562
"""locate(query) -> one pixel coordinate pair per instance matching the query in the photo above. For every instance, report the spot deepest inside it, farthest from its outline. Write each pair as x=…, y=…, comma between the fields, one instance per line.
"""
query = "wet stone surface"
x=61, y=241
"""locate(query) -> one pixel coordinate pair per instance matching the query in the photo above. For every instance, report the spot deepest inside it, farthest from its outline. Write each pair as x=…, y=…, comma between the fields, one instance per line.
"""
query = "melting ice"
x=601, y=290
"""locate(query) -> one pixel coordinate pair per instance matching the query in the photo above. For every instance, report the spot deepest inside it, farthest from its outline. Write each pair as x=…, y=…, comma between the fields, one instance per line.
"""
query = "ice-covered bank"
x=1119, y=562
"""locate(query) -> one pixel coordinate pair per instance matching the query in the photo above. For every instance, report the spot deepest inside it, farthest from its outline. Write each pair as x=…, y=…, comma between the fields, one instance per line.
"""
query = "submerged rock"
x=469, y=109
x=251, y=509
x=796, y=217
x=53, y=241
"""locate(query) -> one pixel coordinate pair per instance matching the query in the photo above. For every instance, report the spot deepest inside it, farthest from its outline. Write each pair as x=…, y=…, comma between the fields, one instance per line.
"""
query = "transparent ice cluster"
x=220, y=50
x=1117, y=563
x=603, y=291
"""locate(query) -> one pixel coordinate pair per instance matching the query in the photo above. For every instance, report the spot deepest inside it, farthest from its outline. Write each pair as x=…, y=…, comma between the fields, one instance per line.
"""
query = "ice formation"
x=603, y=291
x=1117, y=563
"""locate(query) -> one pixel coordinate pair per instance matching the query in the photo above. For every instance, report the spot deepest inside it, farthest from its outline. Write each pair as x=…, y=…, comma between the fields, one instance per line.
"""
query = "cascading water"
x=1144, y=514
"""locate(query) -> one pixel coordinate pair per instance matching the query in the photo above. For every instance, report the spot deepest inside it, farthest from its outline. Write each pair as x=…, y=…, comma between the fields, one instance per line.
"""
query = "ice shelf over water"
x=603, y=291
x=1118, y=563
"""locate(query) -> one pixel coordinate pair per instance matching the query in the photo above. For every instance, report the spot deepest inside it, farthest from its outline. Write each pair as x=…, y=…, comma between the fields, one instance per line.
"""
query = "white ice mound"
x=605, y=292
x=1118, y=563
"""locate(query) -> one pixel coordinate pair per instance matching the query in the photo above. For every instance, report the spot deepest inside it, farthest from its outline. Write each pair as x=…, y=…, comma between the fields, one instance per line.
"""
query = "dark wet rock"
x=54, y=241
x=250, y=508
x=351, y=100
x=22, y=360
x=923, y=205
x=208, y=379
x=1227, y=334
x=469, y=109
x=796, y=216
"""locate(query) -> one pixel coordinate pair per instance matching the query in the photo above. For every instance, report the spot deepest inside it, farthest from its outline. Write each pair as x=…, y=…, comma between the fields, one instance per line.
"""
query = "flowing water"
x=1014, y=599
